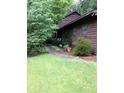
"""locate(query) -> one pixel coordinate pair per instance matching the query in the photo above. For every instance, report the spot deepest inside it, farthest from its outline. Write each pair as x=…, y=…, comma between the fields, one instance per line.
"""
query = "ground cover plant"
x=51, y=74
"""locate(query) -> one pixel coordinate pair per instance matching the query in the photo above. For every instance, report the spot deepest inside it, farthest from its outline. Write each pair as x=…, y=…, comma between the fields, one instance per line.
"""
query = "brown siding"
x=71, y=34
x=92, y=33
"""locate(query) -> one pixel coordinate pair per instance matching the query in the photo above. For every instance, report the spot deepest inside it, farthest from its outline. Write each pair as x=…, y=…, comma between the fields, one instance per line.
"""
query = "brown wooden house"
x=75, y=25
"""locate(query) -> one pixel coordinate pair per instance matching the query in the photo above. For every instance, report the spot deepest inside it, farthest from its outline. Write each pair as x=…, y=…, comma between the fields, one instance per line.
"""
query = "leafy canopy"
x=84, y=6
x=42, y=19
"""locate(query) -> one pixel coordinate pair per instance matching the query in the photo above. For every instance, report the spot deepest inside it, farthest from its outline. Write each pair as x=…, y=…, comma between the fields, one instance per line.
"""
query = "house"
x=75, y=25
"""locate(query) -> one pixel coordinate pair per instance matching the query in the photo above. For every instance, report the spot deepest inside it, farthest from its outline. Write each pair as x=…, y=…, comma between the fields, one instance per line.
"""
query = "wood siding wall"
x=92, y=33
x=77, y=30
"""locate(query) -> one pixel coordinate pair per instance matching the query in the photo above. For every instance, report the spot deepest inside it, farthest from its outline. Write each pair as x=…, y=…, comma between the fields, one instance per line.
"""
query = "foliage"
x=40, y=25
x=52, y=74
x=37, y=50
x=84, y=6
x=59, y=8
x=64, y=42
x=42, y=19
x=54, y=41
x=88, y=5
x=83, y=47
x=66, y=46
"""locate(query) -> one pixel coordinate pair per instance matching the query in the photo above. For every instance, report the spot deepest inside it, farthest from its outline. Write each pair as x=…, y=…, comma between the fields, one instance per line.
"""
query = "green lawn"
x=51, y=74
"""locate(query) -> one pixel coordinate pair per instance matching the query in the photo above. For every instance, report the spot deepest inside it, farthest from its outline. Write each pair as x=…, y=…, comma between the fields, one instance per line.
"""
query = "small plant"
x=83, y=47
x=66, y=46
x=64, y=42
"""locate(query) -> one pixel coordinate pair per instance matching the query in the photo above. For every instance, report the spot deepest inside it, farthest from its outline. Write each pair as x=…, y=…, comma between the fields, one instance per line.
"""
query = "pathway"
x=66, y=55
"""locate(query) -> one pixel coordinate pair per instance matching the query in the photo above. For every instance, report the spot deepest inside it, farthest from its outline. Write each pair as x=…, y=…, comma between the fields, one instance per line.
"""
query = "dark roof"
x=91, y=13
x=72, y=13
x=69, y=18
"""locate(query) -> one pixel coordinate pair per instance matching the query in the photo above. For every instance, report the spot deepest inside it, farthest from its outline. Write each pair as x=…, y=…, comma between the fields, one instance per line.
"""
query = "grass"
x=51, y=74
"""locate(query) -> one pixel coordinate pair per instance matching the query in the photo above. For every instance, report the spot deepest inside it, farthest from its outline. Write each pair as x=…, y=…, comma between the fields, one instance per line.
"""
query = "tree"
x=40, y=25
x=42, y=19
x=59, y=9
x=84, y=6
x=88, y=5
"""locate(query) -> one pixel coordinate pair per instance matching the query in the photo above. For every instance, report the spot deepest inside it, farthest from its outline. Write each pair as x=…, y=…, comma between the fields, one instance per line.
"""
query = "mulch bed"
x=89, y=58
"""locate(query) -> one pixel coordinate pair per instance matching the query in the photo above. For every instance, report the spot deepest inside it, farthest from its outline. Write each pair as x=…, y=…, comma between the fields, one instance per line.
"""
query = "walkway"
x=59, y=52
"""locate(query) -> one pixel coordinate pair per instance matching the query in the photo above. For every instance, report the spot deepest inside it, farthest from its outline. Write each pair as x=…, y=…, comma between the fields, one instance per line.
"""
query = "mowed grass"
x=51, y=74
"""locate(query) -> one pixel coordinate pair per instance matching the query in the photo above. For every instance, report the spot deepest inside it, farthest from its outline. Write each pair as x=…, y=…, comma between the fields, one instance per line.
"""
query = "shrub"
x=83, y=47
x=66, y=46
x=36, y=50
x=62, y=43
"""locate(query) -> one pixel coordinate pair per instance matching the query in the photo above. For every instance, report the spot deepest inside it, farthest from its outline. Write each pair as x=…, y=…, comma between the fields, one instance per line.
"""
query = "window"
x=84, y=30
x=74, y=32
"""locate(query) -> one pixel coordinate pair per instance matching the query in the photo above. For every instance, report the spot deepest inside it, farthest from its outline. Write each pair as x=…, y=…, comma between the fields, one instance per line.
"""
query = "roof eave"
x=92, y=13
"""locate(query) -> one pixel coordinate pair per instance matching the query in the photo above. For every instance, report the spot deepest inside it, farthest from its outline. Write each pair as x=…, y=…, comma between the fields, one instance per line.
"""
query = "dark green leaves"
x=42, y=19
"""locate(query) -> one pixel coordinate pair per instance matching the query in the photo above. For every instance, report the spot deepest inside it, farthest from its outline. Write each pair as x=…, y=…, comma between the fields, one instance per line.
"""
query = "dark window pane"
x=84, y=30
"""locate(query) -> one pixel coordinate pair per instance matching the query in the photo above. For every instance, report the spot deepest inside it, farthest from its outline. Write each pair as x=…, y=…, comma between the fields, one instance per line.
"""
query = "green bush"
x=42, y=21
x=66, y=46
x=36, y=50
x=83, y=47
x=62, y=43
